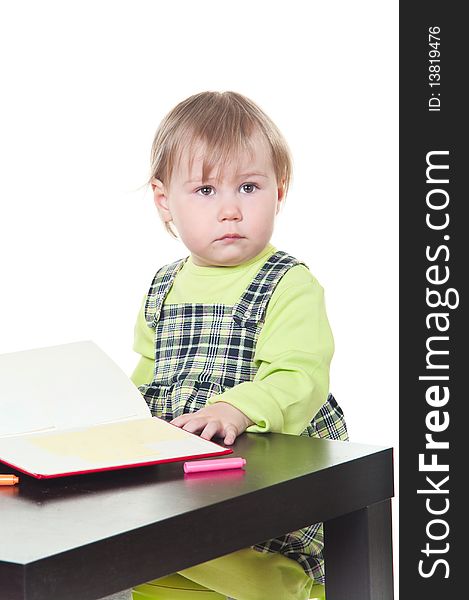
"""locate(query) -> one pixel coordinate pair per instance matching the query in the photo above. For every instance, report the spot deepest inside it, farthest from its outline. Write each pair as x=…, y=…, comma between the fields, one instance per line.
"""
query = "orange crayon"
x=8, y=479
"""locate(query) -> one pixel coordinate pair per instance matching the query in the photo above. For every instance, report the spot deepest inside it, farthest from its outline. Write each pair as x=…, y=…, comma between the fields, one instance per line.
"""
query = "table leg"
x=358, y=554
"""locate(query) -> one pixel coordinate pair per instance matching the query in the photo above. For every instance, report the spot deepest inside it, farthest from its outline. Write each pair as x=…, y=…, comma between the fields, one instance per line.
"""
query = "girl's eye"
x=248, y=188
x=205, y=190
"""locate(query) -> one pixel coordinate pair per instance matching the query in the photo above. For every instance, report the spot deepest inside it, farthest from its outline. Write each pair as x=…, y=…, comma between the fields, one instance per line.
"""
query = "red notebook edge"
x=221, y=452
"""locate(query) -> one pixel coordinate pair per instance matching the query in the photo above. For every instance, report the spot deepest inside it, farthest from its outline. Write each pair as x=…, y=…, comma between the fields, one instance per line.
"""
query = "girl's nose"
x=230, y=210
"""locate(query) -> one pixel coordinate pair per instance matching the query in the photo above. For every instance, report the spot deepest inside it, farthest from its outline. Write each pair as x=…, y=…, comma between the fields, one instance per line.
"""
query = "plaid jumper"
x=203, y=349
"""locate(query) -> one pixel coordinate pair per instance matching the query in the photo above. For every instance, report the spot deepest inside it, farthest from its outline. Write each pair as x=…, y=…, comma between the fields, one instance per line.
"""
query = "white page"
x=111, y=445
x=70, y=385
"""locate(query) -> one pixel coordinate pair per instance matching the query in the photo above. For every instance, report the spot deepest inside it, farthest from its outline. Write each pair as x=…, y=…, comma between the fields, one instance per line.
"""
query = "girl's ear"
x=280, y=195
x=161, y=200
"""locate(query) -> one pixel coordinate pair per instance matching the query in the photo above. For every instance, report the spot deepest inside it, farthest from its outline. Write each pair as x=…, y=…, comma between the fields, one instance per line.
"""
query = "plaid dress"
x=203, y=349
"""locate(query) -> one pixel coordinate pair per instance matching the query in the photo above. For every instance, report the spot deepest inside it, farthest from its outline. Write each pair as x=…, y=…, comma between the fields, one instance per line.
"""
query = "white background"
x=84, y=86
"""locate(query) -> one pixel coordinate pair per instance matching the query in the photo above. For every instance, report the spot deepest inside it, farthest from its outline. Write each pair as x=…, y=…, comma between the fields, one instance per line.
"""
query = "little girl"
x=235, y=336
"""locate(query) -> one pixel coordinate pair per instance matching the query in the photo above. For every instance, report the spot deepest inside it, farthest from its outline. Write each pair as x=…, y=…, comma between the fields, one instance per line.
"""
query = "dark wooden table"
x=79, y=538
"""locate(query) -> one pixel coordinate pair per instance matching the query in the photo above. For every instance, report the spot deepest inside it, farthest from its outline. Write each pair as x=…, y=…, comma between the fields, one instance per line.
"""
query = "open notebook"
x=70, y=409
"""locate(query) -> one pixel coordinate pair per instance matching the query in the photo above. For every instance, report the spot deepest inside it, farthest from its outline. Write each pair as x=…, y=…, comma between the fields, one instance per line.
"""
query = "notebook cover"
x=112, y=446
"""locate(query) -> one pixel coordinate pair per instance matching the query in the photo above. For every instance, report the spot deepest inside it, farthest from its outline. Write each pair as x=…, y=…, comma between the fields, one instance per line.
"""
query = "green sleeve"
x=144, y=345
x=293, y=355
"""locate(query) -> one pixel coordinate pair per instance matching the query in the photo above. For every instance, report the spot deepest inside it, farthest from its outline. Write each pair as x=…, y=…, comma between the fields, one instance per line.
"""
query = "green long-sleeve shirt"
x=293, y=351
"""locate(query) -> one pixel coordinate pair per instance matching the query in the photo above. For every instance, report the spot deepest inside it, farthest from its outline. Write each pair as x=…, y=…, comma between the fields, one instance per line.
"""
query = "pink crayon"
x=214, y=465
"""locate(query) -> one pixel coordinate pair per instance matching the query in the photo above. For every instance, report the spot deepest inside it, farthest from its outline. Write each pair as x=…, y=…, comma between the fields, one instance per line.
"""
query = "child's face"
x=243, y=202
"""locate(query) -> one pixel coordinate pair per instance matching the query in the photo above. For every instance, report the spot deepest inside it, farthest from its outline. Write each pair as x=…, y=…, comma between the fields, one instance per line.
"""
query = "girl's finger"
x=211, y=429
x=181, y=420
x=195, y=425
x=230, y=435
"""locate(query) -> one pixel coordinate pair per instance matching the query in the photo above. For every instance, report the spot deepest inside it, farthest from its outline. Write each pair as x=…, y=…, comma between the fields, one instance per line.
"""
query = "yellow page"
x=102, y=447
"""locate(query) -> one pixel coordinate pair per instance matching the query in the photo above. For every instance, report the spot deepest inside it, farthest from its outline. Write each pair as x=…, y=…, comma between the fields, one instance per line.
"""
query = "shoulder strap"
x=251, y=307
x=160, y=286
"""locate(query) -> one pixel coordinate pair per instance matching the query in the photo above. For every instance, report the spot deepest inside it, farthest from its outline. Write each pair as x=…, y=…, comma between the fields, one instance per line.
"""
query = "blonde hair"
x=225, y=123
